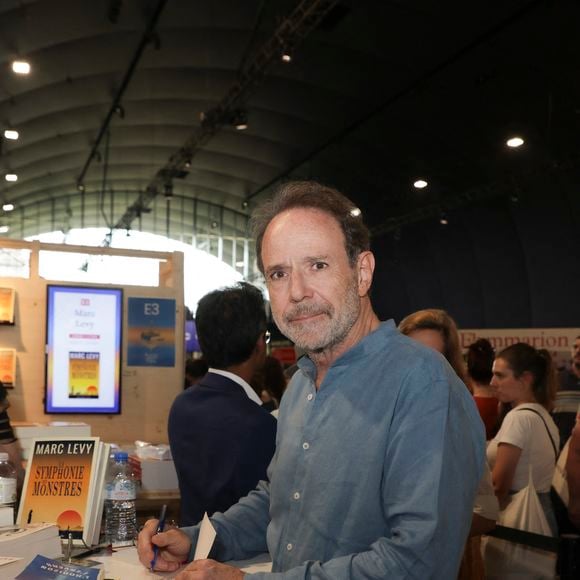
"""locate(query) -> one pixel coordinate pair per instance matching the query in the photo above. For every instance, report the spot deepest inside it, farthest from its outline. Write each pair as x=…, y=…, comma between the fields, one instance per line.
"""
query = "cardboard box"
x=155, y=474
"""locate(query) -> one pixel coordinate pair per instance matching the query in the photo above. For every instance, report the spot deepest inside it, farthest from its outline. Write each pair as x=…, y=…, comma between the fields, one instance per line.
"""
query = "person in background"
x=195, y=370
x=379, y=447
x=573, y=474
x=528, y=438
x=221, y=439
x=271, y=382
x=436, y=329
x=480, y=357
x=568, y=396
x=8, y=441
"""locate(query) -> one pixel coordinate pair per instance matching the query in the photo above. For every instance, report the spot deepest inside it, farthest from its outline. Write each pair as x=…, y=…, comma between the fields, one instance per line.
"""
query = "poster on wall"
x=151, y=332
x=83, y=370
x=8, y=366
x=558, y=341
x=7, y=305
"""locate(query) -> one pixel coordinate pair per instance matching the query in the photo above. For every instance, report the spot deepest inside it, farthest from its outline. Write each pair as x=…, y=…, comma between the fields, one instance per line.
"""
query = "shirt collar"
x=237, y=379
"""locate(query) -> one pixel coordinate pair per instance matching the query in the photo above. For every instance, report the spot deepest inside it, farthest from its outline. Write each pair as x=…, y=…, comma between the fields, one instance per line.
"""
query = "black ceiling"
x=378, y=94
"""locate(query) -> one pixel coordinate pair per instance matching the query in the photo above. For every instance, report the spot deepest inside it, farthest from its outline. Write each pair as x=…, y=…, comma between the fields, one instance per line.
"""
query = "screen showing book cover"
x=57, y=487
x=83, y=351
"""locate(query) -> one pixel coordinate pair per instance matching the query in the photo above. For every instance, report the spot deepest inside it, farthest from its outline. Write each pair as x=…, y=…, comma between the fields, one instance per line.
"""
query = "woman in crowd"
x=480, y=356
x=436, y=329
x=527, y=440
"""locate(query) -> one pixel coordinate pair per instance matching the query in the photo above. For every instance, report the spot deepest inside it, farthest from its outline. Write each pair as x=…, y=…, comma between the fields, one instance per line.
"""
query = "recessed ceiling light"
x=4, y=229
x=355, y=212
x=514, y=142
x=11, y=134
x=21, y=67
x=420, y=184
x=11, y=177
x=8, y=207
x=443, y=219
x=240, y=264
x=286, y=57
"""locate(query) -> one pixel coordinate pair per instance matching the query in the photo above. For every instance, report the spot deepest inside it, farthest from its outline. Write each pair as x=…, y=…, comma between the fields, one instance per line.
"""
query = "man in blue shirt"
x=379, y=448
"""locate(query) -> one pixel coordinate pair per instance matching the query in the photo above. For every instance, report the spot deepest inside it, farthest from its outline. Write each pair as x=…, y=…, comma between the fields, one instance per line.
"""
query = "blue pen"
x=160, y=526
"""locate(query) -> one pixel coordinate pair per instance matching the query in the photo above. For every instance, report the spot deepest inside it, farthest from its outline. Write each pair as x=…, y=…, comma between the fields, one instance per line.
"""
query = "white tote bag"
x=560, y=479
x=510, y=561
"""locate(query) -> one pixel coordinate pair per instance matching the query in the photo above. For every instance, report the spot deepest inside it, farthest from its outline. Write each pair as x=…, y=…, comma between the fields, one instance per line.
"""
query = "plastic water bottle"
x=120, y=496
x=8, y=479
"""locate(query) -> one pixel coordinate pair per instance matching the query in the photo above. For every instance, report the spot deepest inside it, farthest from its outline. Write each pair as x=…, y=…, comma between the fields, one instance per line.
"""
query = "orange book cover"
x=59, y=484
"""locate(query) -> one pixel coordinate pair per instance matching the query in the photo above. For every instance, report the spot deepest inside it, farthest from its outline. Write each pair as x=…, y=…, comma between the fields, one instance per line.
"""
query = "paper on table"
x=205, y=540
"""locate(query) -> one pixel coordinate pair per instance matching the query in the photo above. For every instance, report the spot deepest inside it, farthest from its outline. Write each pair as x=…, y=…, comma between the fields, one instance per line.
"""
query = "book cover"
x=7, y=305
x=8, y=366
x=44, y=568
x=59, y=484
x=83, y=372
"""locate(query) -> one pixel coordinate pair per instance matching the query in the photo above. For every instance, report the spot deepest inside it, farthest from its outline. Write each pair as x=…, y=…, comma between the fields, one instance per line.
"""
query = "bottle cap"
x=3, y=456
x=121, y=456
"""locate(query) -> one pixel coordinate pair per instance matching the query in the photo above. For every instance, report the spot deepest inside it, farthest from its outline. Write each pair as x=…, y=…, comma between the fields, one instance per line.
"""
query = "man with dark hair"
x=379, y=448
x=221, y=439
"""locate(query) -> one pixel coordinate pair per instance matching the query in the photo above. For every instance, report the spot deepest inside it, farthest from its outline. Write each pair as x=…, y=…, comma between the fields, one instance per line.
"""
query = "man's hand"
x=174, y=546
x=210, y=570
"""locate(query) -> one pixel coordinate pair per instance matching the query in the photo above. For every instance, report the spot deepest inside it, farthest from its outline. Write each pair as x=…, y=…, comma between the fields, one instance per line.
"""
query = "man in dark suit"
x=221, y=439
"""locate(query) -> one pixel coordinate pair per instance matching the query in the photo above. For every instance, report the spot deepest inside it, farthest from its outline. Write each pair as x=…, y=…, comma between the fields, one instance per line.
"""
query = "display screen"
x=83, y=370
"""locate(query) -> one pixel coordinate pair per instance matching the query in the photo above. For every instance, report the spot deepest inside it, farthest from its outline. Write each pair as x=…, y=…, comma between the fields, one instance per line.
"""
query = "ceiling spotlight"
x=239, y=119
x=119, y=109
x=21, y=67
x=514, y=142
x=8, y=207
x=240, y=264
x=4, y=229
x=420, y=184
x=214, y=224
x=187, y=164
x=81, y=187
x=11, y=177
x=355, y=212
x=11, y=134
x=286, y=56
x=443, y=220
x=245, y=204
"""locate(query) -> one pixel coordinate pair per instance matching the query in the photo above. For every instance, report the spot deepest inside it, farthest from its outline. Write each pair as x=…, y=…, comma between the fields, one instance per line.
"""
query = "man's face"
x=314, y=292
x=576, y=353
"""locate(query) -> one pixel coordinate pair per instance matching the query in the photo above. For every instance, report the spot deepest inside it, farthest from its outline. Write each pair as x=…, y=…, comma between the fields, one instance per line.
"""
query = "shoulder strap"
x=545, y=425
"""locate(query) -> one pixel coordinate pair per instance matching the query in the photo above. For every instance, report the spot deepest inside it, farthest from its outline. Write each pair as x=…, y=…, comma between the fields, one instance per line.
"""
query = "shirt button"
x=289, y=547
x=310, y=396
x=296, y=495
x=305, y=445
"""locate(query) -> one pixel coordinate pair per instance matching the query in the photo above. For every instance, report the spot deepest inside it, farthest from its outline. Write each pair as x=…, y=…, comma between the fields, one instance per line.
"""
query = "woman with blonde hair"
x=436, y=329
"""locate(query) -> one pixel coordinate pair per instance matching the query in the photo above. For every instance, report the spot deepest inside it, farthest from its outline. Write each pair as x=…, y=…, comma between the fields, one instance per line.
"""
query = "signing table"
x=124, y=564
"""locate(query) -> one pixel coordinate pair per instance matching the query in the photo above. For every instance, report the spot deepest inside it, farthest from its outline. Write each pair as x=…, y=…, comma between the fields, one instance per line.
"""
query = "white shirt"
x=524, y=429
x=237, y=379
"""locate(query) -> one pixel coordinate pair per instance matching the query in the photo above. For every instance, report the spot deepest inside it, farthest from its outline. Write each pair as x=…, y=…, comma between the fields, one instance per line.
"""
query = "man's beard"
x=325, y=332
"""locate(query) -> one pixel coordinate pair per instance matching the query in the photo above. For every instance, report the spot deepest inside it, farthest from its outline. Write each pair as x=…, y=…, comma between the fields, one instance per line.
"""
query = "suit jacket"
x=221, y=442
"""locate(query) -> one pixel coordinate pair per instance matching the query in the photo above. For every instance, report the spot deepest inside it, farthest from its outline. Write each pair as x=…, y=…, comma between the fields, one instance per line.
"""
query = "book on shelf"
x=42, y=568
x=64, y=484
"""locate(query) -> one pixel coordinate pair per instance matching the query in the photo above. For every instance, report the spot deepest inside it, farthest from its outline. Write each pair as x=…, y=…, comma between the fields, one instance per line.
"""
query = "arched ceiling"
x=377, y=94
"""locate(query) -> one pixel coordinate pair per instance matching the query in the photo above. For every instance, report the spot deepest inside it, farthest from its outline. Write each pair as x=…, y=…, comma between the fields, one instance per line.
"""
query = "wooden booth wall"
x=146, y=392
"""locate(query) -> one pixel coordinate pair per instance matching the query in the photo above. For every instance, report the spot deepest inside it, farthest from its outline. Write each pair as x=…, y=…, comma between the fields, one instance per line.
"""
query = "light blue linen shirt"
x=374, y=474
